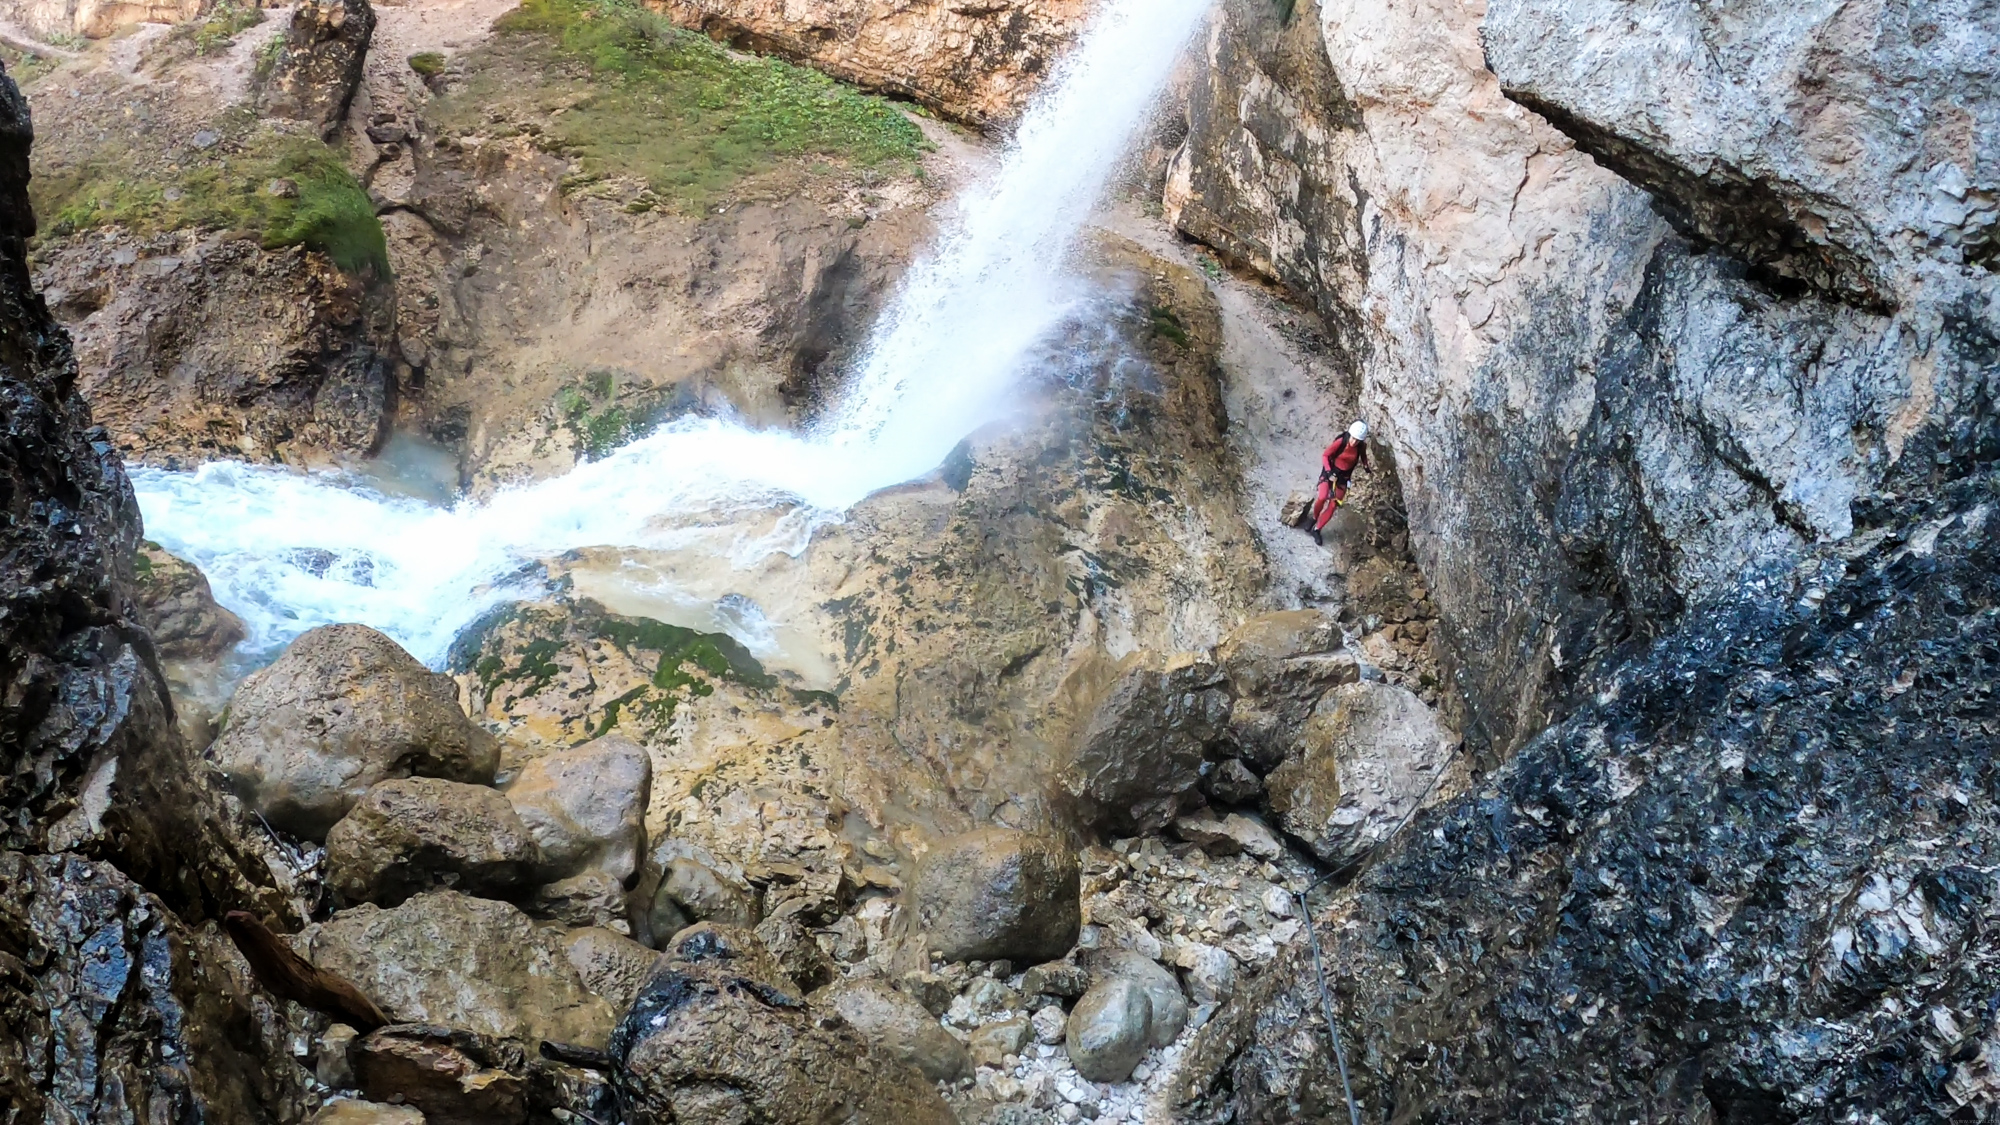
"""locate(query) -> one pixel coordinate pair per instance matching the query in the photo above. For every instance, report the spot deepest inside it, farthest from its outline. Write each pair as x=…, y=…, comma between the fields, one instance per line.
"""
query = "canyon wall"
x=1629, y=342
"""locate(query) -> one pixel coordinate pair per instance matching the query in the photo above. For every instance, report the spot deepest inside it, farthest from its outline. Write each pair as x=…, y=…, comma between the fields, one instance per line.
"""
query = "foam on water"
x=291, y=551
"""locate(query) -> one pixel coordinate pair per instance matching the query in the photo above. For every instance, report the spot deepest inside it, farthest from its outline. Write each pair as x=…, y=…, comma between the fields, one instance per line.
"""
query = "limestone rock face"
x=974, y=62
x=446, y=958
x=704, y=1045
x=326, y=48
x=1139, y=754
x=899, y=1027
x=1372, y=753
x=586, y=807
x=178, y=609
x=417, y=833
x=998, y=893
x=197, y=347
x=343, y=709
x=95, y=19
x=1107, y=1030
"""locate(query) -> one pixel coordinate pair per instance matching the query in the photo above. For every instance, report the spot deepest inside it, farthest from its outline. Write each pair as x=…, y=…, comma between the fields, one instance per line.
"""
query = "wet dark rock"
x=1232, y=783
x=326, y=49
x=1747, y=881
x=1138, y=756
x=1000, y=893
x=704, y=1045
x=454, y=1077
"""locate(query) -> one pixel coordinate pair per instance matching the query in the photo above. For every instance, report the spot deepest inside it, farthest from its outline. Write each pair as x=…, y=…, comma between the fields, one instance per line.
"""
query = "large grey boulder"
x=1167, y=1006
x=705, y=1044
x=898, y=1026
x=586, y=807
x=1372, y=753
x=1107, y=1032
x=343, y=709
x=1137, y=757
x=417, y=833
x=998, y=893
x=470, y=963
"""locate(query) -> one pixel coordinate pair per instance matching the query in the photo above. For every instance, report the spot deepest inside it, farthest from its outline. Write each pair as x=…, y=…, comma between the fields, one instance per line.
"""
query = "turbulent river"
x=686, y=511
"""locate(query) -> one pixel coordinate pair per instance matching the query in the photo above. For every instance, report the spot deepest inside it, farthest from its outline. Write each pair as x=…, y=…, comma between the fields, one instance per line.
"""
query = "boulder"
x=1231, y=834
x=1231, y=782
x=416, y=833
x=705, y=1045
x=999, y=893
x=1278, y=666
x=1372, y=753
x=737, y=950
x=176, y=606
x=1106, y=1034
x=610, y=964
x=991, y=1044
x=325, y=52
x=898, y=1026
x=1051, y=1023
x=471, y=963
x=586, y=807
x=1056, y=978
x=343, y=709
x=453, y=1077
x=590, y=899
x=1167, y=1004
x=700, y=887
x=1138, y=754
x=354, y=1111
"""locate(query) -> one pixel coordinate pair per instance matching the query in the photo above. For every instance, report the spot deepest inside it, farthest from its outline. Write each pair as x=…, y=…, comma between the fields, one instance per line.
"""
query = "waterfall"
x=290, y=551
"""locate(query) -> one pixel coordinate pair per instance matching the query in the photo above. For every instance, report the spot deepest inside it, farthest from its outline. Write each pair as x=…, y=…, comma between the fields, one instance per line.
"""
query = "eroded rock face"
x=343, y=709
x=1752, y=844
x=413, y=834
x=197, y=347
x=1372, y=753
x=974, y=62
x=446, y=958
x=998, y=893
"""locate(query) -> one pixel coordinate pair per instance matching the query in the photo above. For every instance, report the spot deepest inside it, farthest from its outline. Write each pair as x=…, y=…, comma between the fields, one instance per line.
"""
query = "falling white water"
x=290, y=551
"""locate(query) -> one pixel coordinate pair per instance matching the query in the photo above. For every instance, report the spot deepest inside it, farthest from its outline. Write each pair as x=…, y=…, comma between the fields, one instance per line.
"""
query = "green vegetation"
x=217, y=33
x=590, y=412
x=285, y=189
x=1168, y=324
x=674, y=111
x=427, y=64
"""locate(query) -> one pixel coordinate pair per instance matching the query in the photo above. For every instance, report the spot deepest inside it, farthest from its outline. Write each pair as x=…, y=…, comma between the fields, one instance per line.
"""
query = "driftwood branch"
x=288, y=975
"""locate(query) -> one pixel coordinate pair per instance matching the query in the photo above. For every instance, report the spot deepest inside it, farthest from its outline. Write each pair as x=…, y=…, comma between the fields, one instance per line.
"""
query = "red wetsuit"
x=1337, y=464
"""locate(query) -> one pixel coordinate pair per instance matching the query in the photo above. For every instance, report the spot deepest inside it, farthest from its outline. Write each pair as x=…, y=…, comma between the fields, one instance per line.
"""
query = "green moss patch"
x=427, y=64
x=284, y=189
x=217, y=31
x=632, y=97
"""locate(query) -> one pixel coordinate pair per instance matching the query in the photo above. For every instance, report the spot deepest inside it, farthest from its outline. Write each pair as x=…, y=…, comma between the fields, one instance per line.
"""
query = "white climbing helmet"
x=1358, y=431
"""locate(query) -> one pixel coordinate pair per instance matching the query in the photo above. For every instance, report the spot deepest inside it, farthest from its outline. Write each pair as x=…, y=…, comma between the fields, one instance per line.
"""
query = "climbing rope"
x=1326, y=1000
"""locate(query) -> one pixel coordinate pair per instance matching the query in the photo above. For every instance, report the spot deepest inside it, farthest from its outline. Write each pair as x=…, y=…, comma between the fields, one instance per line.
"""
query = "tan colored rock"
x=1373, y=752
x=354, y=1111
x=416, y=833
x=450, y=1075
x=898, y=1026
x=343, y=709
x=704, y=1045
x=999, y=893
x=992, y=1043
x=177, y=607
x=590, y=899
x=586, y=807
x=611, y=964
x=974, y=62
x=446, y=958
x=96, y=19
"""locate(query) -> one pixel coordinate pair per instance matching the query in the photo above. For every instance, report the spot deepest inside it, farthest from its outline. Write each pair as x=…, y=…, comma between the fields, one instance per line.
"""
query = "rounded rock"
x=1106, y=1036
x=1000, y=893
x=412, y=834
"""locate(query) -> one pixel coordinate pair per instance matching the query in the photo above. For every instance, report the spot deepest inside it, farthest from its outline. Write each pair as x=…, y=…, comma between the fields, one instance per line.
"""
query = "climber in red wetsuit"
x=1336, y=465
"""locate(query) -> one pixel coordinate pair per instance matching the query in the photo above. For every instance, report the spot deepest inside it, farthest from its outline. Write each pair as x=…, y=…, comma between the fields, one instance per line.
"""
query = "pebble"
x=1278, y=903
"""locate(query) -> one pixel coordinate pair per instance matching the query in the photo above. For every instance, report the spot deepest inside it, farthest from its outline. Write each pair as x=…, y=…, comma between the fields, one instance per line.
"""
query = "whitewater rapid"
x=289, y=551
